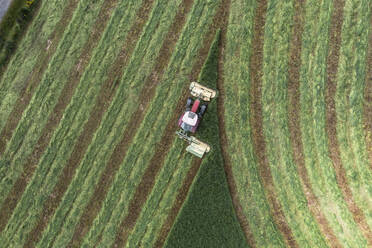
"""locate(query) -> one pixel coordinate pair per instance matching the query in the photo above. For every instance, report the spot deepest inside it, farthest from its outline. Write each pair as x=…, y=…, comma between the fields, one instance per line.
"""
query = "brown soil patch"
x=295, y=127
x=368, y=97
x=180, y=198
x=35, y=77
x=22, y=102
x=54, y=119
x=331, y=119
x=256, y=122
x=222, y=132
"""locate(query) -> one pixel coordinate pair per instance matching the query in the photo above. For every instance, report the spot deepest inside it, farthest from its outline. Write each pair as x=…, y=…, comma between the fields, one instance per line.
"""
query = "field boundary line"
x=259, y=145
x=331, y=117
x=54, y=118
x=294, y=123
x=367, y=113
x=26, y=94
x=222, y=131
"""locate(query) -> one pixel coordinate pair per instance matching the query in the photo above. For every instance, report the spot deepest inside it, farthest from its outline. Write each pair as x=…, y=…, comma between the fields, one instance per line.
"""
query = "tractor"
x=190, y=119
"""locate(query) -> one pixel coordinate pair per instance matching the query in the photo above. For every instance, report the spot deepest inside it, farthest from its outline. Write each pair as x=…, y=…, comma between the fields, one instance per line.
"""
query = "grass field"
x=89, y=103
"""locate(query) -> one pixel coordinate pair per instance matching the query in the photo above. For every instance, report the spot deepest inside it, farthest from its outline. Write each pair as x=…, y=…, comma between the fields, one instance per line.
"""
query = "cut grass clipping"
x=207, y=218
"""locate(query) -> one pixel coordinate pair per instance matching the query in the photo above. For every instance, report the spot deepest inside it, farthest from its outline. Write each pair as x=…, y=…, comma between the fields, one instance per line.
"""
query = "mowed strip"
x=50, y=166
x=131, y=171
x=35, y=78
x=90, y=175
x=224, y=22
x=256, y=120
x=349, y=104
x=55, y=117
x=294, y=122
x=367, y=106
x=331, y=118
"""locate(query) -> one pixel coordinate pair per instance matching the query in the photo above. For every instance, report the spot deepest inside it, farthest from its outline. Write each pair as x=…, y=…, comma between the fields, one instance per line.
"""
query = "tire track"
x=368, y=97
x=256, y=123
x=36, y=75
x=294, y=123
x=148, y=180
x=331, y=118
x=222, y=131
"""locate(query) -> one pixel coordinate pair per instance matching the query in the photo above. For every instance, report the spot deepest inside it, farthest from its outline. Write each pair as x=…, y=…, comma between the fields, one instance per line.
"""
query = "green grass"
x=207, y=218
x=245, y=166
x=275, y=125
x=74, y=118
x=46, y=95
x=314, y=137
x=349, y=103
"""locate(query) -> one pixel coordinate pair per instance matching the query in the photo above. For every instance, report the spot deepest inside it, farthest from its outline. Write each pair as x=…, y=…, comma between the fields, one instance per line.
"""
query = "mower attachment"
x=195, y=147
x=198, y=90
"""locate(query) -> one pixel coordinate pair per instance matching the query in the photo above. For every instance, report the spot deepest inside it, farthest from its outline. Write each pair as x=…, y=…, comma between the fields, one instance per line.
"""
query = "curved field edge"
x=207, y=218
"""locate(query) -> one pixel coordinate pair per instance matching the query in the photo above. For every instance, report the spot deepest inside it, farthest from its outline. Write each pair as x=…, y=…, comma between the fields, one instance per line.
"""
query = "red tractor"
x=190, y=119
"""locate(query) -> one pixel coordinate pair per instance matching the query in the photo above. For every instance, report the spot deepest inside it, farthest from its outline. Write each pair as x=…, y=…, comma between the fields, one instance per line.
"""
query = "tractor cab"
x=190, y=119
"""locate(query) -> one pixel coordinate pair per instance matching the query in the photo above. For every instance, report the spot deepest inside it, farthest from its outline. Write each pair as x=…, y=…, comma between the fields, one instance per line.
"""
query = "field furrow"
x=349, y=108
x=222, y=129
x=50, y=165
x=256, y=119
x=331, y=116
x=56, y=115
x=321, y=172
x=16, y=97
x=295, y=127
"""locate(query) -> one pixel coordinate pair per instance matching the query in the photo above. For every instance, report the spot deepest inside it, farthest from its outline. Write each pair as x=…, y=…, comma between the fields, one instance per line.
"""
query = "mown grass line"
x=294, y=123
x=36, y=76
x=74, y=78
x=112, y=127
x=367, y=106
x=222, y=129
x=44, y=180
x=331, y=117
x=148, y=179
x=65, y=97
x=349, y=104
x=256, y=120
x=103, y=102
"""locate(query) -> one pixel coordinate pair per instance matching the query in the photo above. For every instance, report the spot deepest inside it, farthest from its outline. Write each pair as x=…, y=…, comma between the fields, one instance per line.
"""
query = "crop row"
x=314, y=136
x=349, y=103
x=72, y=122
x=27, y=55
x=244, y=163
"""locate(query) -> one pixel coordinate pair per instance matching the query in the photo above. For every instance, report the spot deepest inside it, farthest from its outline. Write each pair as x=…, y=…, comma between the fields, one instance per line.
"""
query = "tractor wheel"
x=202, y=110
x=189, y=103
